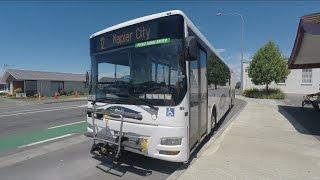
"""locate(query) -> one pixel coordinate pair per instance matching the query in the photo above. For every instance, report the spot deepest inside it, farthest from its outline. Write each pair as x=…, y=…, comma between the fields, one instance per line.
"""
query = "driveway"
x=306, y=117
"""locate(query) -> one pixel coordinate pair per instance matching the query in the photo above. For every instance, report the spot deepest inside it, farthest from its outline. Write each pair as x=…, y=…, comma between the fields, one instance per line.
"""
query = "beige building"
x=299, y=81
x=46, y=83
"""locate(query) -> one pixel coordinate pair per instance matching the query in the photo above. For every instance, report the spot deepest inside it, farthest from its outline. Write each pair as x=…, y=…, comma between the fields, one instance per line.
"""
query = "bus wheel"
x=315, y=105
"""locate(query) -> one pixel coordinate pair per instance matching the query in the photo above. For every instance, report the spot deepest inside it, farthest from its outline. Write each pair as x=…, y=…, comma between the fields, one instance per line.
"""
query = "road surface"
x=25, y=123
x=75, y=161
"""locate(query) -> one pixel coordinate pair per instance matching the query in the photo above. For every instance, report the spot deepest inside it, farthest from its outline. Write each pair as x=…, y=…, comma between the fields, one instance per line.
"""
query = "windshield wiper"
x=122, y=99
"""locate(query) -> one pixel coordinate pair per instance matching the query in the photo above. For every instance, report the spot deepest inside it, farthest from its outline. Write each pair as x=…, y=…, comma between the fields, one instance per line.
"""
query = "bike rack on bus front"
x=115, y=140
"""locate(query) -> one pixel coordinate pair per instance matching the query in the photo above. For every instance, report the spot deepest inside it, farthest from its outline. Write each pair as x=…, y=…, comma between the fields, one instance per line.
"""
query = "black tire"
x=315, y=105
x=94, y=148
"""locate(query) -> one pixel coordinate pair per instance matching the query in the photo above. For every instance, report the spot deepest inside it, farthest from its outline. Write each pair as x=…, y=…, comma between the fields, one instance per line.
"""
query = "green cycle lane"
x=14, y=141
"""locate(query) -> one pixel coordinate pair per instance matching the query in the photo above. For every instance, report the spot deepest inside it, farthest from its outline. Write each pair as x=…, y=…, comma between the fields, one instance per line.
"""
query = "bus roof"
x=158, y=15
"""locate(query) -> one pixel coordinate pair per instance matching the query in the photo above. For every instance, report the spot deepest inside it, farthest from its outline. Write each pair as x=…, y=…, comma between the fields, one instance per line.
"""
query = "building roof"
x=305, y=53
x=2, y=82
x=18, y=74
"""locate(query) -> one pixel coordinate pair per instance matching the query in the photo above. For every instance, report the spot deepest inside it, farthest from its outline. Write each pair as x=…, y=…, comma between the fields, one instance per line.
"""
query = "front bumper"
x=153, y=133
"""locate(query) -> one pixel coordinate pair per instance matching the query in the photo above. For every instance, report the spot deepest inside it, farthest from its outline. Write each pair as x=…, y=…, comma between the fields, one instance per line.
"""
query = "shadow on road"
x=306, y=117
x=135, y=164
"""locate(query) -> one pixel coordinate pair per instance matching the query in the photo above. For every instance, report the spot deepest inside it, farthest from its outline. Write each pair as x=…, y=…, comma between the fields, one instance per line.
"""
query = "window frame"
x=306, y=76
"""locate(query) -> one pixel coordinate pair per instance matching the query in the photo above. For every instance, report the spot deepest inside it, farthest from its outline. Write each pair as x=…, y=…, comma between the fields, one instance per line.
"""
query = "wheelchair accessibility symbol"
x=170, y=112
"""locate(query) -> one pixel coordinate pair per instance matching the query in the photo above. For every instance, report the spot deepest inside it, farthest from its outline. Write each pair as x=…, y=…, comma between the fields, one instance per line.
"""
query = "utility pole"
x=242, y=41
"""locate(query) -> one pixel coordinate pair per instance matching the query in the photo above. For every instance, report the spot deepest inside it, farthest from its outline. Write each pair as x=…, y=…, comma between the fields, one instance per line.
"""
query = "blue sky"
x=54, y=36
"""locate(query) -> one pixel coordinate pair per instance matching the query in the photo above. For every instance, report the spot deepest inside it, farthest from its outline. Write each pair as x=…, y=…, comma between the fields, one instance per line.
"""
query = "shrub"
x=72, y=92
x=62, y=92
x=4, y=94
x=18, y=90
x=264, y=94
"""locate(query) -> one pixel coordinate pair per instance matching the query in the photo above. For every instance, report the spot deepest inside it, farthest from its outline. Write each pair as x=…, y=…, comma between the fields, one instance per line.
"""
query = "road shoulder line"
x=46, y=140
x=62, y=125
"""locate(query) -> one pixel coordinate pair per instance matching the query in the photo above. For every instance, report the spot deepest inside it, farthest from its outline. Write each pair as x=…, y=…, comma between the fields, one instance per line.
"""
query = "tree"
x=217, y=72
x=268, y=65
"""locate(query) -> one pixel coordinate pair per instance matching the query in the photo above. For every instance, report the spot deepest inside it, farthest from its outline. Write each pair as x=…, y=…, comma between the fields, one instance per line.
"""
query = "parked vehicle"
x=313, y=99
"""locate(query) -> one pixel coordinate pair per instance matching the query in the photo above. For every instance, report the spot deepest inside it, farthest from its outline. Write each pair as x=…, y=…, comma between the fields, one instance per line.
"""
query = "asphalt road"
x=9, y=105
x=76, y=162
x=28, y=122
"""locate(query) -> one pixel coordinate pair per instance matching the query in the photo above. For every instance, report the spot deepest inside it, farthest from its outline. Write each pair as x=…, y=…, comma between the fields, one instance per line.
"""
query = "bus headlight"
x=171, y=141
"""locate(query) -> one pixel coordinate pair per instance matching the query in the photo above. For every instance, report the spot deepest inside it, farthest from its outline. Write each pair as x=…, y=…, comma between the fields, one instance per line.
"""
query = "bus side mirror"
x=191, y=49
x=88, y=83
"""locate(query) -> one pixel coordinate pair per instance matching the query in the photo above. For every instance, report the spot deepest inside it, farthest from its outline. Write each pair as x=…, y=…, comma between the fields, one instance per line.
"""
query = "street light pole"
x=242, y=41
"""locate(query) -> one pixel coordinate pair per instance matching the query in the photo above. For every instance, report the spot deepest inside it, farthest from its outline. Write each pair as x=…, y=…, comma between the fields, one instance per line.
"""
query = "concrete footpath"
x=261, y=143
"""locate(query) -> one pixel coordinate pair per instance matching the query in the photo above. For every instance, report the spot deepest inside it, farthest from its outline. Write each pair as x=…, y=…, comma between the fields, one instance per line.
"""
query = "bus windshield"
x=154, y=74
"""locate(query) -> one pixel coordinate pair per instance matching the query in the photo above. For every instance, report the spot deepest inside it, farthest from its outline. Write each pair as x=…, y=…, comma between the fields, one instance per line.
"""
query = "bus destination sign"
x=147, y=33
x=140, y=34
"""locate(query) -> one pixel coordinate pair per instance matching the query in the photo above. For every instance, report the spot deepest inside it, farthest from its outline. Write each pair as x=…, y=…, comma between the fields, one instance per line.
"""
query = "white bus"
x=165, y=79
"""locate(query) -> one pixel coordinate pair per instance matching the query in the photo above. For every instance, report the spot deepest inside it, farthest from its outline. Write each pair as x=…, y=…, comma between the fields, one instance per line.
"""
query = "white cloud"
x=247, y=56
x=237, y=73
x=286, y=53
x=221, y=50
x=236, y=58
x=234, y=61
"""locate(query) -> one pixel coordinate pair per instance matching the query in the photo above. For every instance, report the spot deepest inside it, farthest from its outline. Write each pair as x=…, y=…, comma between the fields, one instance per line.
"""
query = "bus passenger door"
x=203, y=92
x=194, y=89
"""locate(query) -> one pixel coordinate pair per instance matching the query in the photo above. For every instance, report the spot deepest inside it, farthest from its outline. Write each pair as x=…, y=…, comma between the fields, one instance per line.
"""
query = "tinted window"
x=154, y=73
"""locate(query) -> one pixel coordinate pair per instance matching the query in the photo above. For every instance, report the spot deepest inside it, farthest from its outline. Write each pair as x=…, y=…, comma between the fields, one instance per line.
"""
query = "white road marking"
x=47, y=110
x=47, y=140
x=66, y=124
x=30, y=110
